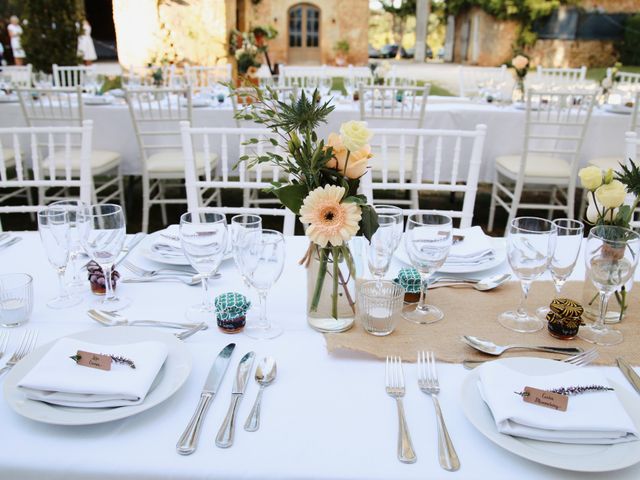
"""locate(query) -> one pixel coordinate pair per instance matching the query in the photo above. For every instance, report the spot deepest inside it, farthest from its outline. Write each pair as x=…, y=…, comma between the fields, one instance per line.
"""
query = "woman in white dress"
x=15, y=32
x=86, y=49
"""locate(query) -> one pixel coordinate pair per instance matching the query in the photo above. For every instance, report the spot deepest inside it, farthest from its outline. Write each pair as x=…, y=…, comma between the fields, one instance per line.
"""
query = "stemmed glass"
x=349, y=86
x=102, y=235
x=240, y=224
x=385, y=240
x=611, y=258
x=53, y=225
x=204, y=242
x=325, y=85
x=74, y=210
x=261, y=260
x=565, y=256
x=428, y=239
x=531, y=242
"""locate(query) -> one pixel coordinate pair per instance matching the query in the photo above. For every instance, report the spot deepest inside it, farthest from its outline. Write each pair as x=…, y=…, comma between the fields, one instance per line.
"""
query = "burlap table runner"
x=470, y=312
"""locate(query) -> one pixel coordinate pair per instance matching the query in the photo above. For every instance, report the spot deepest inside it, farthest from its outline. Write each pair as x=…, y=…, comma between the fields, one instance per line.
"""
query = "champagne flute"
x=74, y=210
x=53, y=225
x=611, y=258
x=428, y=239
x=240, y=224
x=204, y=241
x=102, y=235
x=261, y=262
x=531, y=242
x=385, y=240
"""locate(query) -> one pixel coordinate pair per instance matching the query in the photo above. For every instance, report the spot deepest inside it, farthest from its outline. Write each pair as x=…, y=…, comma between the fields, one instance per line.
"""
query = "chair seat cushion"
x=100, y=159
x=9, y=157
x=605, y=163
x=537, y=165
x=172, y=161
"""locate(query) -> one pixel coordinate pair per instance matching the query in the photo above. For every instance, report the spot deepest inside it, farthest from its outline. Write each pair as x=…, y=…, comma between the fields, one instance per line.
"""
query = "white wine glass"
x=428, y=240
x=102, y=235
x=76, y=252
x=385, y=240
x=240, y=224
x=53, y=226
x=531, y=242
x=204, y=242
x=261, y=262
x=325, y=85
x=611, y=257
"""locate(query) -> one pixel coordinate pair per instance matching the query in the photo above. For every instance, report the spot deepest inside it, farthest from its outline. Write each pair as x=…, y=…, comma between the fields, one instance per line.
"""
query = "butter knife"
x=629, y=373
x=224, y=439
x=188, y=441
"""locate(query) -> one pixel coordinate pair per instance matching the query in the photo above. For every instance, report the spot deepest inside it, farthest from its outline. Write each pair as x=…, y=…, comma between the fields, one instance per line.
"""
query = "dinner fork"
x=428, y=383
x=141, y=272
x=4, y=341
x=394, y=378
x=27, y=344
x=579, y=360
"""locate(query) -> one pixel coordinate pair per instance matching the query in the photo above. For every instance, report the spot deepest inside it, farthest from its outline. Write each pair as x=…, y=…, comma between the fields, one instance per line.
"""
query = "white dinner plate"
x=622, y=109
x=98, y=100
x=575, y=457
x=170, y=378
x=500, y=256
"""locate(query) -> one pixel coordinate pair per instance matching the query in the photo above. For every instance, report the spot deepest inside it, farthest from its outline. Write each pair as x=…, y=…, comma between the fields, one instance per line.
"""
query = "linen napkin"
x=168, y=244
x=57, y=379
x=473, y=249
x=591, y=418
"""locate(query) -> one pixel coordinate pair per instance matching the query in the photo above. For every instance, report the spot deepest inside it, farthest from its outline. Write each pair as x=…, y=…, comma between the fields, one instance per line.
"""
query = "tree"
x=51, y=32
x=400, y=11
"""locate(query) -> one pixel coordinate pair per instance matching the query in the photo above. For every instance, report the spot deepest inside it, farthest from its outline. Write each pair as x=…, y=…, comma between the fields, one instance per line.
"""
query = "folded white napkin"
x=169, y=243
x=591, y=418
x=474, y=248
x=57, y=379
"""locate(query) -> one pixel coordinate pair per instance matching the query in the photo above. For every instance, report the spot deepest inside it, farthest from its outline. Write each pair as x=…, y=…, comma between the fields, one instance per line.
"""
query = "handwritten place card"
x=546, y=399
x=93, y=360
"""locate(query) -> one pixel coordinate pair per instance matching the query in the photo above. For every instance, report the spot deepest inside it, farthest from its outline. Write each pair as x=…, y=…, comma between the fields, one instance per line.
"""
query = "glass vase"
x=618, y=304
x=330, y=289
x=518, y=91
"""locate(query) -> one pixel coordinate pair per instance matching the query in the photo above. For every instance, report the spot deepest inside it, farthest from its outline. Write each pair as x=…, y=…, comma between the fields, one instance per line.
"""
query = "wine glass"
x=428, y=239
x=325, y=85
x=240, y=224
x=349, y=86
x=531, y=242
x=261, y=262
x=385, y=240
x=204, y=241
x=102, y=235
x=565, y=256
x=611, y=257
x=53, y=225
x=73, y=209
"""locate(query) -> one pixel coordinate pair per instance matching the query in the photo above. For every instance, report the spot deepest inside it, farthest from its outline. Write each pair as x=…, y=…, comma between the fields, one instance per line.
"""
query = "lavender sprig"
x=124, y=360
x=569, y=391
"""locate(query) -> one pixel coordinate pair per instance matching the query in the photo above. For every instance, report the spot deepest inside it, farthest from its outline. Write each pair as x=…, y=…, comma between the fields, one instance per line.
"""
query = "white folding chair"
x=19, y=75
x=548, y=77
x=31, y=146
x=438, y=161
x=71, y=76
x=135, y=77
x=63, y=107
x=229, y=146
x=472, y=80
x=380, y=104
x=202, y=79
x=555, y=126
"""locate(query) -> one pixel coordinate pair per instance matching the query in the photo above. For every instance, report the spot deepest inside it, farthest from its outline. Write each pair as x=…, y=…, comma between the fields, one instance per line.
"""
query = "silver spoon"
x=112, y=319
x=490, y=348
x=483, y=285
x=265, y=374
x=191, y=281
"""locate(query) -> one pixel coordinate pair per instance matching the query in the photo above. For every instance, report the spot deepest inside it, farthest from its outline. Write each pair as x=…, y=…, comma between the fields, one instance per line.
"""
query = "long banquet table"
x=326, y=416
x=505, y=127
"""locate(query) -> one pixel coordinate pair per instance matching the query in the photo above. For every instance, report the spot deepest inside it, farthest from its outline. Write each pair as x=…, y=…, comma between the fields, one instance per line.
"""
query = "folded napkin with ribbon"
x=58, y=379
x=474, y=248
x=590, y=418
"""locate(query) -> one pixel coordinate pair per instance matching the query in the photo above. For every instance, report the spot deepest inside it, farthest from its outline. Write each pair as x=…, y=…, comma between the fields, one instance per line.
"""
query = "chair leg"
x=515, y=204
x=218, y=198
x=145, y=204
x=94, y=195
x=571, y=199
x=41, y=195
x=121, y=189
x=163, y=207
x=246, y=198
x=415, y=200
x=492, y=207
x=583, y=204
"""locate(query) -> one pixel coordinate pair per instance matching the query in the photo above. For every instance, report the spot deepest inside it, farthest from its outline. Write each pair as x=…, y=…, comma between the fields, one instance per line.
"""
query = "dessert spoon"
x=265, y=374
x=491, y=348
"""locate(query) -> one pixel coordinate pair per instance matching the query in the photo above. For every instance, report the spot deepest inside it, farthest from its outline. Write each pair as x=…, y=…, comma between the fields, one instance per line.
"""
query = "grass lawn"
x=338, y=84
x=598, y=74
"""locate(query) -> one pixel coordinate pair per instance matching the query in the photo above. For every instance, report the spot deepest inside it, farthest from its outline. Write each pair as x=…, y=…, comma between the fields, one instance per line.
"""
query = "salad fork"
x=579, y=360
x=428, y=383
x=394, y=378
x=141, y=272
x=27, y=344
x=4, y=341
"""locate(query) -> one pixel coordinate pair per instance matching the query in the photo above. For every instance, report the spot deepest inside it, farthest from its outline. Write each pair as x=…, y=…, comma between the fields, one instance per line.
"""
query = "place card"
x=544, y=398
x=93, y=360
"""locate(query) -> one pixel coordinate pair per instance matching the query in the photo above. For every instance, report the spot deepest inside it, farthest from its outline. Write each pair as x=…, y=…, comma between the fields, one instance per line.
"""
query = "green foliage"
x=342, y=46
x=630, y=53
x=630, y=177
x=51, y=32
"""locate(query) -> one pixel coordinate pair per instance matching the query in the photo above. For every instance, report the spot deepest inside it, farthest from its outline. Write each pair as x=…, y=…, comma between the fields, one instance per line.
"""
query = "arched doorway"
x=304, y=34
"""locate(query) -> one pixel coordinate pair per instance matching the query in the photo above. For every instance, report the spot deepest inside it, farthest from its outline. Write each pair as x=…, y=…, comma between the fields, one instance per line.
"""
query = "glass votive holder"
x=379, y=305
x=16, y=299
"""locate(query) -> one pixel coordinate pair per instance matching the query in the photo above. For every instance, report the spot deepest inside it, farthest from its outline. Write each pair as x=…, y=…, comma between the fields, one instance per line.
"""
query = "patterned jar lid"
x=231, y=305
x=565, y=307
x=409, y=279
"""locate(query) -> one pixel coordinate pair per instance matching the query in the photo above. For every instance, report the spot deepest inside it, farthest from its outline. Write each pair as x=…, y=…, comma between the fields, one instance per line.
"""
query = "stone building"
x=582, y=34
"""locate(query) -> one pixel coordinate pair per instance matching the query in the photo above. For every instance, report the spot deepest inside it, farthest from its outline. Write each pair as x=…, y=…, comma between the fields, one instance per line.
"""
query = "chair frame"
x=414, y=112
x=201, y=78
x=561, y=75
x=476, y=74
x=71, y=76
x=20, y=74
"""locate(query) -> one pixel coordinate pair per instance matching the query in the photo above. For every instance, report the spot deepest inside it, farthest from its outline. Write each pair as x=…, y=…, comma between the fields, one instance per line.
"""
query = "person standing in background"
x=86, y=49
x=15, y=32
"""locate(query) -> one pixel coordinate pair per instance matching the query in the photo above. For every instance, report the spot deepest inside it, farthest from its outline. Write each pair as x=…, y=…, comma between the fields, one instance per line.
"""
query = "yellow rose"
x=520, y=62
x=358, y=160
x=591, y=178
x=355, y=135
x=611, y=195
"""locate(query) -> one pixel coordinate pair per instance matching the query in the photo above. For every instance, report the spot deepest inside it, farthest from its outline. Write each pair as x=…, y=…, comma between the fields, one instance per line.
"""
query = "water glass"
x=325, y=85
x=531, y=242
x=379, y=303
x=240, y=224
x=385, y=240
x=427, y=240
x=16, y=299
x=76, y=252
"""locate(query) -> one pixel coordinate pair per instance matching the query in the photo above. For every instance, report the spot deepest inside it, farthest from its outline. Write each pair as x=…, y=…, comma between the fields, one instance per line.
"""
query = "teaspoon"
x=483, y=285
x=265, y=374
x=491, y=348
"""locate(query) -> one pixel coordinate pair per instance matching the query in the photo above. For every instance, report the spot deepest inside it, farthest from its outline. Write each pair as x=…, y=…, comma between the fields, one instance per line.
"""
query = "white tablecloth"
x=605, y=136
x=326, y=416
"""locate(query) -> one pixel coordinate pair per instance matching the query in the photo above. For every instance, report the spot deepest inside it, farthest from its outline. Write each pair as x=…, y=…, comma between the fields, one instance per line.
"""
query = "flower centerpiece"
x=380, y=71
x=247, y=49
x=520, y=65
x=609, y=81
x=612, y=198
x=324, y=178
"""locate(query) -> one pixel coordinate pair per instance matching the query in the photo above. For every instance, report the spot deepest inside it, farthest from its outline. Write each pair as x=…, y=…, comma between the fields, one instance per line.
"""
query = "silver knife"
x=13, y=241
x=188, y=441
x=224, y=439
x=629, y=373
x=137, y=238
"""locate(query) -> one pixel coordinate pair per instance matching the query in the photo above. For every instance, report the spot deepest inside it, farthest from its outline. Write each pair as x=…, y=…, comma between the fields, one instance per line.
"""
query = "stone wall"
x=567, y=53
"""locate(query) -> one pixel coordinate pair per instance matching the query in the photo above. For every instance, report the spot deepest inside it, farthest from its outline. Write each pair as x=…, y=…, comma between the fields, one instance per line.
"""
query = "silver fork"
x=141, y=272
x=27, y=344
x=394, y=379
x=4, y=342
x=428, y=383
x=579, y=360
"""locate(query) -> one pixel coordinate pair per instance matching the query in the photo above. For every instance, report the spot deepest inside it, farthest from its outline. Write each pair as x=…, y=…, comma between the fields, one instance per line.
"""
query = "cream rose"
x=358, y=160
x=611, y=195
x=520, y=62
x=590, y=177
x=355, y=135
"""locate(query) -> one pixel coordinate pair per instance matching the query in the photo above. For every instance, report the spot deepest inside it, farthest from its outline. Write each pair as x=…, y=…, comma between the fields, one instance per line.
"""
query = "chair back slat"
x=19, y=75
x=407, y=104
x=17, y=152
x=473, y=81
x=51, y=106
x=204, y=78
x=72, y=76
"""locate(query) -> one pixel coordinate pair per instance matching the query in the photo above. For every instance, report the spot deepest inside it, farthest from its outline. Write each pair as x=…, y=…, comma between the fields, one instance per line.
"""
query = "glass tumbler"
x=379, y=306
x=16, y=299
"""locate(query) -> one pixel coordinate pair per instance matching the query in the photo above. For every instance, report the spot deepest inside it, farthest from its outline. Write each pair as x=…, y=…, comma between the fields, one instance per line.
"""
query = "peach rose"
x=358, y=160
x=520, y=62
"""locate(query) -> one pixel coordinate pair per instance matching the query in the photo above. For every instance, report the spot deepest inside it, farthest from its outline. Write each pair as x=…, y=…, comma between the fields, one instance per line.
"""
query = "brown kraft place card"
x=93, y=360
x=542, y=398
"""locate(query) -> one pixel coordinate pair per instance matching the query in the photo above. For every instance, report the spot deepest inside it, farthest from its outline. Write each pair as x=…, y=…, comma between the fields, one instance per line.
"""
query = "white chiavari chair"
x=229, y=145
x=246, y=95
x=302, y=77
x=143, y=76
x=555, y=127
x=439, y=161
x=31, y=146
x=473, y=80
x=203, y=79
x=624, y=79
x=547, y=77
x=71, y=76
x=394, y=79
x=63, y=107
x=19, y=75
x=632, y=154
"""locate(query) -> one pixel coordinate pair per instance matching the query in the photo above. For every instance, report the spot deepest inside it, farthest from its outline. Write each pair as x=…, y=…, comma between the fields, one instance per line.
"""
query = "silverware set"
x=186, y=275
x=115, y=319
x=579, y=360
x=8, y=243
x=27, y=344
